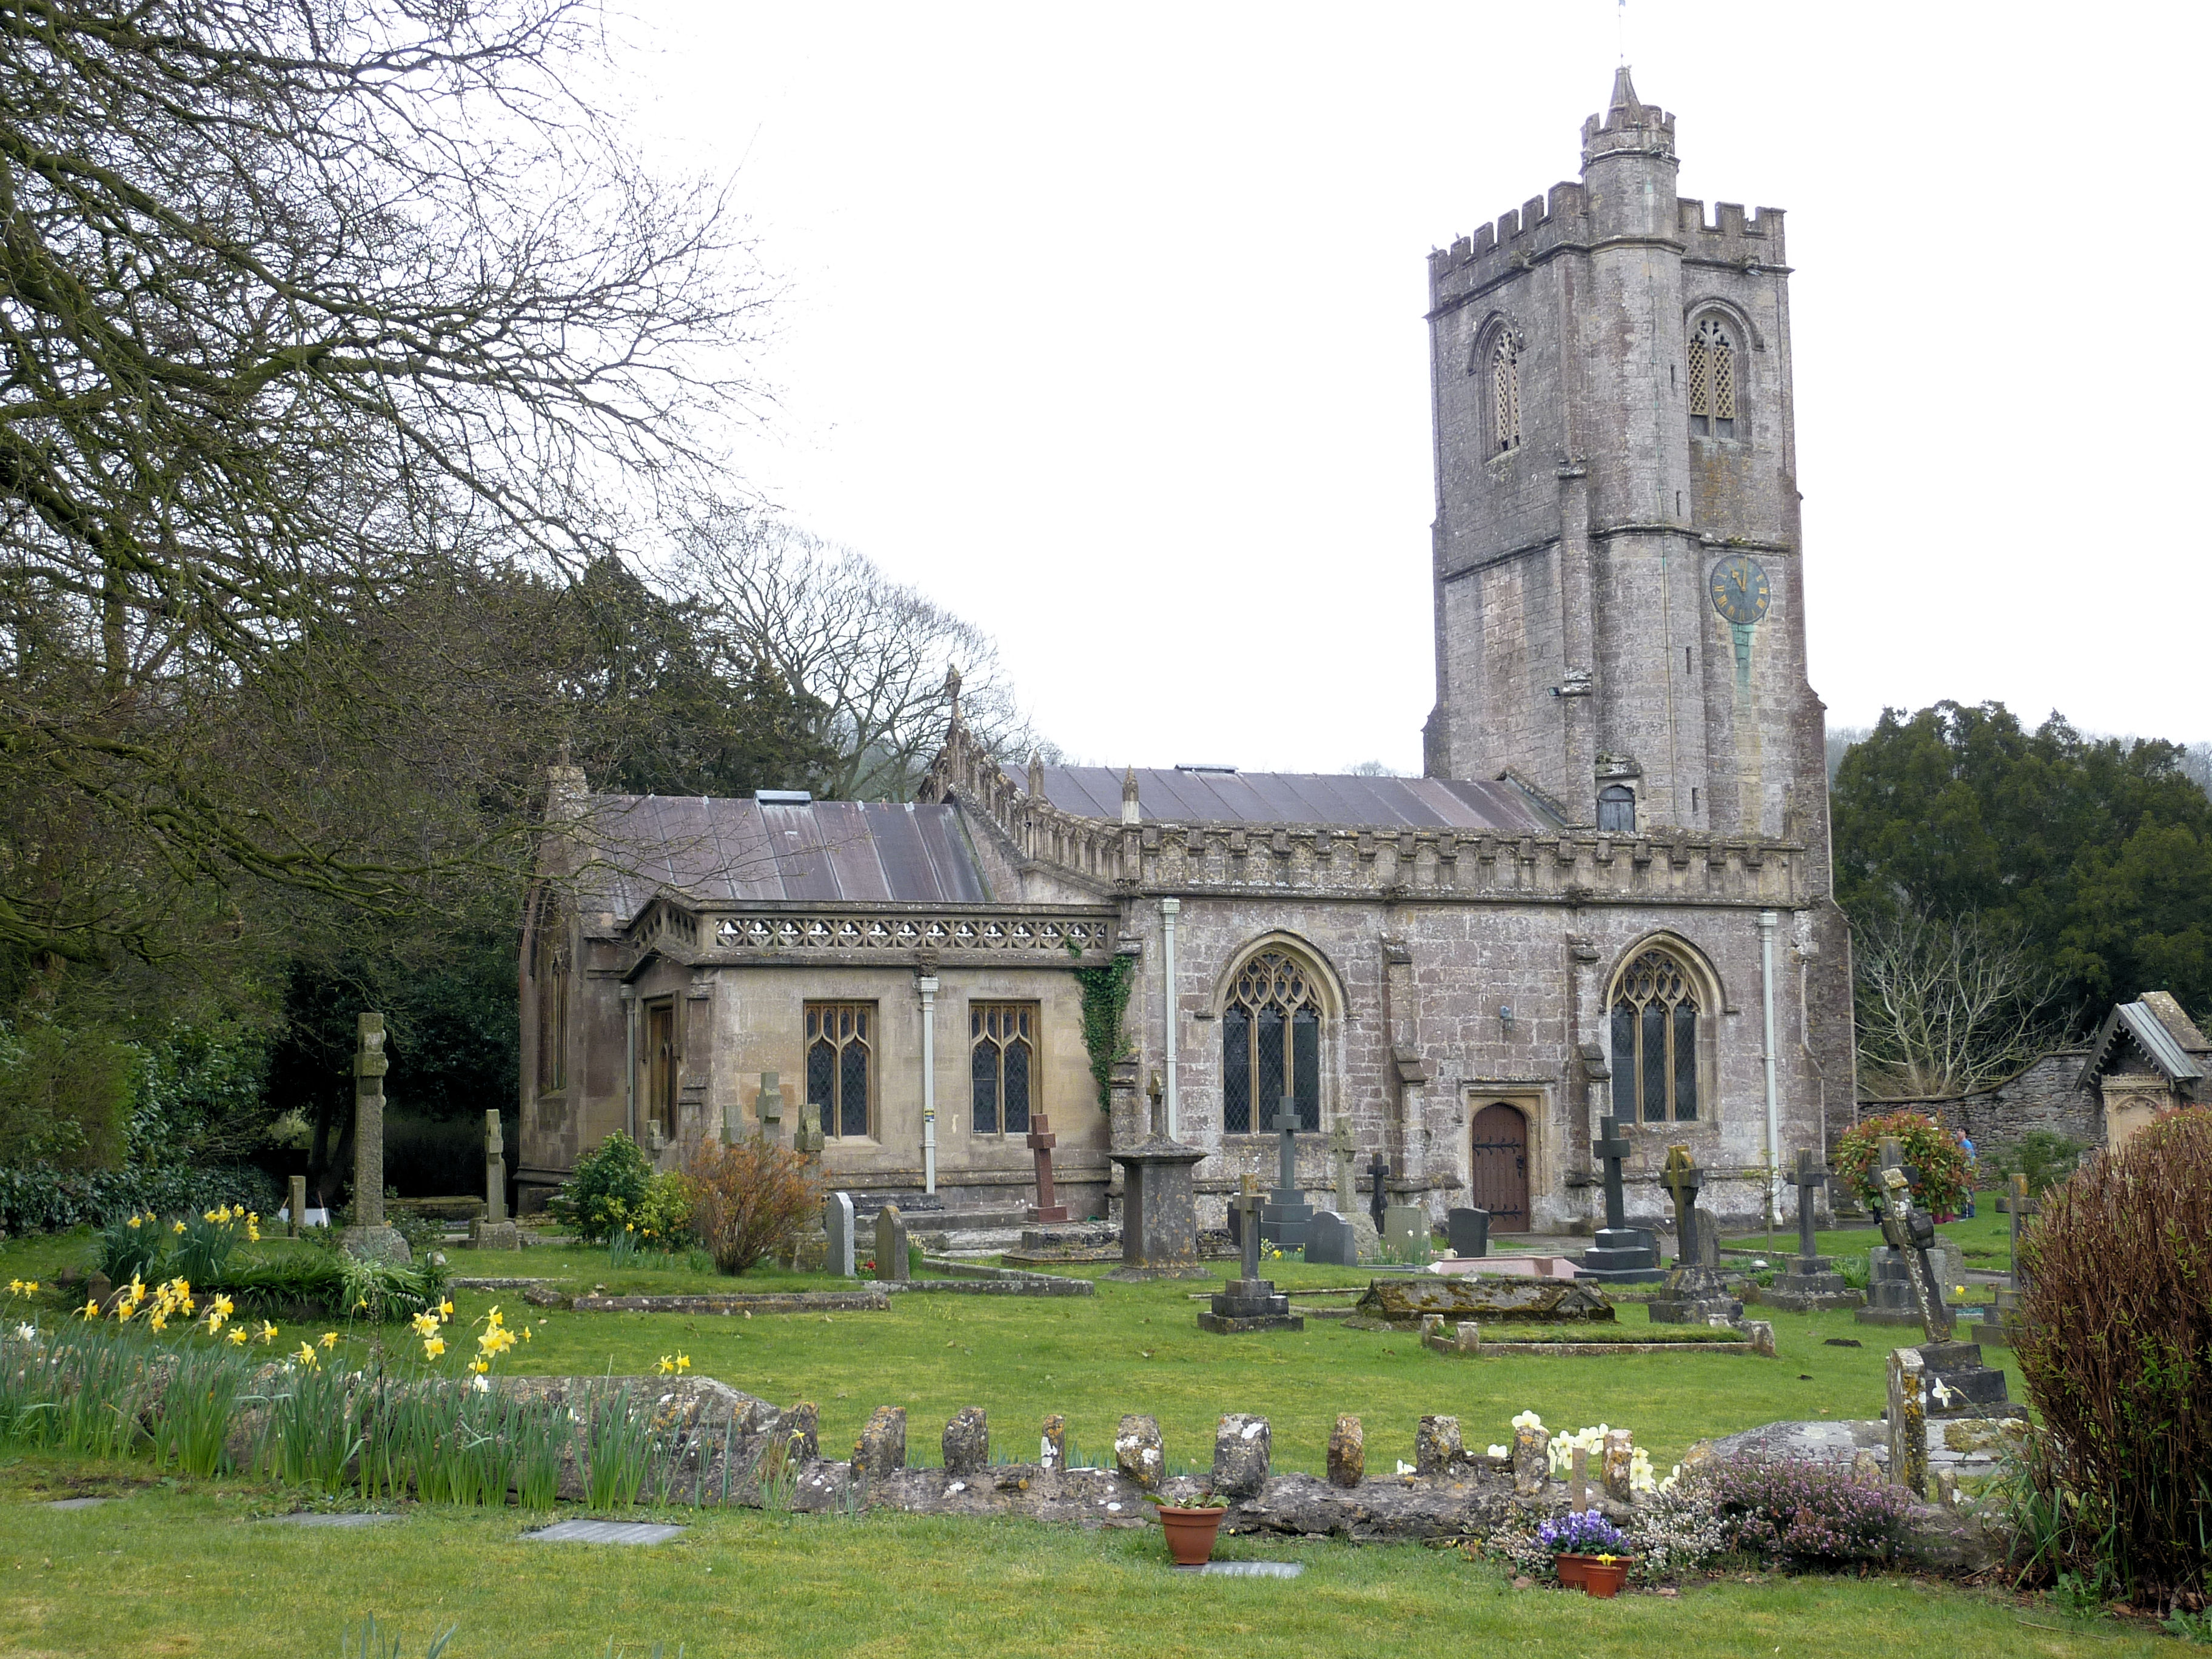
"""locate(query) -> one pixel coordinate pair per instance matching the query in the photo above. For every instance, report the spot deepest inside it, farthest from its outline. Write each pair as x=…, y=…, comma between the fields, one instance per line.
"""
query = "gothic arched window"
x=1504, y=393
x=1655, y=1039
x=1001, y=1064
x=1616, y=810
x=1270, y=1045
x=549, y=967
x=841, y=1070
x=1712, y=381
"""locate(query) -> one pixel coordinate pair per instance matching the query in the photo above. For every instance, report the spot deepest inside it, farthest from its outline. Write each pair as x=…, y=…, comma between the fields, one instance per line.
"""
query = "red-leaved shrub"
x=2117, y=1355
x=747, y=1197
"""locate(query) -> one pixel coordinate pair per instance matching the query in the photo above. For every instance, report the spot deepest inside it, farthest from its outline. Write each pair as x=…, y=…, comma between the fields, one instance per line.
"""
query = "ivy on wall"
x=1105, y=1001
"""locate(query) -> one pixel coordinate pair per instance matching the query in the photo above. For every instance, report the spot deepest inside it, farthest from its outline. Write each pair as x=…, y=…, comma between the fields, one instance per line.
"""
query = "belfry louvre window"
x=1504, y=393
x=1712, y=381
x=1002, y=1064
x=1655, y=1041
x=841, y=1066
x=1270, y=1045
x=1616, y=810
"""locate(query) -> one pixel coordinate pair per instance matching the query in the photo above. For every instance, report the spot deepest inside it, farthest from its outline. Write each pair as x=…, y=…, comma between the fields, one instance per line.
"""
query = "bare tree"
x=1947, y=1005
x=873, y=652
x=302, y=302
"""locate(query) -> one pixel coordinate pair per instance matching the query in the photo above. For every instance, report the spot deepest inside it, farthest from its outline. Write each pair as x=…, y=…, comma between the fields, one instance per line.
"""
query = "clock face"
x=1740, y=590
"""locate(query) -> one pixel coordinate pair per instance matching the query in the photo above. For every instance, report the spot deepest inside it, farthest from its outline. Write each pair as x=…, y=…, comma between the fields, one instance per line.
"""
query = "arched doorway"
x=1500, y=1167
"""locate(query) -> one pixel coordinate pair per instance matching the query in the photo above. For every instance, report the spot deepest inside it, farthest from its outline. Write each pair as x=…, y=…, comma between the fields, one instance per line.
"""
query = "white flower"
x=1943, y=1395
x=1499, y=1451
x=1404, y=1469
x=1527, y=1420
x=27, y=1332
x=481, y=1383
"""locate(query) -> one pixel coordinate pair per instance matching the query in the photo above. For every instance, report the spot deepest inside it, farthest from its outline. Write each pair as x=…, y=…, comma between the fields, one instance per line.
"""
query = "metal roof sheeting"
x=722, y=851
x=1335, y=799
x=2150, y=1035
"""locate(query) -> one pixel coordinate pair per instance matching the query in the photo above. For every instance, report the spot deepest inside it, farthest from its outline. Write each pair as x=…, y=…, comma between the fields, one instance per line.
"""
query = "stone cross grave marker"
x=1340, y=1154
x=1249, y=1303
x=1287, y=1212
x=1620, y=1254
x=1041, y=1142
x=1811, y=1178
x=1695, y=1293
x=1684, y=1180
x=1248, y=1205
x=494, y=1169
x=767, y=1106
x=1909, y=1232
x=2020, y=1210
x=1378, y=1197
x=369, y=1236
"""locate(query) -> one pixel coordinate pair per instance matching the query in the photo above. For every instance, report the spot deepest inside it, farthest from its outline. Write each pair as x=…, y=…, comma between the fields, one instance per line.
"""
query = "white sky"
x=1104, y=327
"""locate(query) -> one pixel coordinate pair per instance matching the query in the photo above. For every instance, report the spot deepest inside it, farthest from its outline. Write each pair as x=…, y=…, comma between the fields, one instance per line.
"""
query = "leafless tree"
x=1947, y=1005
x=872, y=651
x=302, y=303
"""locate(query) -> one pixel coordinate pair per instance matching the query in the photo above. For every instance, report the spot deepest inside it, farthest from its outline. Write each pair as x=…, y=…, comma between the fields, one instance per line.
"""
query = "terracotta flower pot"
x=1574, y=1569
x=1604, y=1578
x=1190, y=1534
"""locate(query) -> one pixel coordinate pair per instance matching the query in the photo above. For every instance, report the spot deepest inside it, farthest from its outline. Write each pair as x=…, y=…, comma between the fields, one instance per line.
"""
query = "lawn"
x=1986, y=1241
x=1138, y=1348
x=187, y=1570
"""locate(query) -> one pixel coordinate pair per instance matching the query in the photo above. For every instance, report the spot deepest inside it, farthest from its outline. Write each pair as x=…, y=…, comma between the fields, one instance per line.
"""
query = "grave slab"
x=78, y=1503
x=1247, y=1568
x=604, y=1532
x=345, y=1520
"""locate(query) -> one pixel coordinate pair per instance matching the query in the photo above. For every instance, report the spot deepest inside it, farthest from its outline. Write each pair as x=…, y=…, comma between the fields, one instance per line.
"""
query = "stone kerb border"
x=869, y=1300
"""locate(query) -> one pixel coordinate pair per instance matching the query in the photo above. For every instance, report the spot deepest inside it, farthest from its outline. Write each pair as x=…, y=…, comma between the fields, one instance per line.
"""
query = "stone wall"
x=2042, y=1095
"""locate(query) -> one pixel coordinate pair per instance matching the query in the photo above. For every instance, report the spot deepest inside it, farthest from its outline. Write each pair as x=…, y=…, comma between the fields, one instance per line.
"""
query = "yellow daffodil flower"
x=240, y=1336
x=134, y=1223
x=330, y=1340
x=176, y=1226
x=446, y=1309
x=478, y=1366
x=158, y=1320
x=432, y=1346
x=223, y=1305
x=666, y=1366
x=526, y=1333
x=91, y=1307
x=307, y=1356
x=268, y=1332
x=425, y=1324
x=682, y=1362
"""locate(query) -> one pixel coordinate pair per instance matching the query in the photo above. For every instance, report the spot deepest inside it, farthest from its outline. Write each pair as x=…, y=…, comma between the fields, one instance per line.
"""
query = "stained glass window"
x=840, y=1069
x=1655, y=1041
x=1001, y=1064
x=1271, y=1046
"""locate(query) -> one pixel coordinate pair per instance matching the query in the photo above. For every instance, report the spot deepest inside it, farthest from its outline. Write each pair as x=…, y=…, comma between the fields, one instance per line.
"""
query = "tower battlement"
x=1730, y=236
x=1539, y=225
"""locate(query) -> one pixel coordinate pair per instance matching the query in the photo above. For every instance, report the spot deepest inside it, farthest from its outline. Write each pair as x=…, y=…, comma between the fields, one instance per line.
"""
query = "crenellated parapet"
x=1730, y=239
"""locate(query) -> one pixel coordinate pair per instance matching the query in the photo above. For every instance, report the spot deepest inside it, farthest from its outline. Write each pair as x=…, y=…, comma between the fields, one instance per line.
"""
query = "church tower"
x=1620, y=603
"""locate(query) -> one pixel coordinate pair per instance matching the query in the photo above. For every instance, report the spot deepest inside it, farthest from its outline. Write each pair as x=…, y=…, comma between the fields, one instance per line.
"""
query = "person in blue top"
x=1967, y=1145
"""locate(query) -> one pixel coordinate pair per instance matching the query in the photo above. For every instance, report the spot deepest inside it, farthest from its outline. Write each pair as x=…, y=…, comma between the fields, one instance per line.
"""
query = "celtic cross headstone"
x=368, y=1235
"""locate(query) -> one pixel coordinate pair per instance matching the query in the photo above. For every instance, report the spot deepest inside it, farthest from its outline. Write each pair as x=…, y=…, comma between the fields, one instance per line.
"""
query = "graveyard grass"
x=171, y=1569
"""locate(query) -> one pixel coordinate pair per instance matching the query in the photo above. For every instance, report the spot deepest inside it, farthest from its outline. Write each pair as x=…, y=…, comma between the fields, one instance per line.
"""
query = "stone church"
x=1610, y=893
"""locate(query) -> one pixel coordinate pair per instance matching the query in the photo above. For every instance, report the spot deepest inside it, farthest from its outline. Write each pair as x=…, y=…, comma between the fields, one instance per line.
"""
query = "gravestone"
x=1378, y=1195
x=1405, y=1231
x=1330, y=1242
x=892, y=1261
x=2002, y=1327
x=1283, y=1222
x=369, y=1236
x=767, y=1106
x=1954, y=1380
x=1249, y=1303
x=837, y=1229
x=1159, y=1219
x=295, y=1216
x=1466, y=1232
x=1041, y=1142
x=1622, y=1254
x=1810, y=1283
x=493, y=1231
x=1694, y=1293
x=1341, y=1154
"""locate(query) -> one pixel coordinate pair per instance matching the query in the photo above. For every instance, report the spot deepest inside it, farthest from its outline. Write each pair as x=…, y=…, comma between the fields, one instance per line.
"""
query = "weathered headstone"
x=2003, y=1328
x=881, y=1449
x=1954, y=1383
x=1041, y=1142
x=1240, y=1455
x=1406, y=1232
x=1341, y=1154
x=1694, y=1293
x=968, y=1443
x=1810, y=1281
x=369, y=1236
x=494, y=1231
x=837, y=1228
x=892, y=1260
x=1379, y=1185
x=1329, y=1241
x=1436, y=1445
x=1405, y=1301
x=1466, y=1232
x=1283, y=1222
x=295, y=1216
x=1249, y=1303
x=767, y=1106
x=1621, y=1255
x=1137, y=1454
x=1348, y=1453
x=1159, y=1216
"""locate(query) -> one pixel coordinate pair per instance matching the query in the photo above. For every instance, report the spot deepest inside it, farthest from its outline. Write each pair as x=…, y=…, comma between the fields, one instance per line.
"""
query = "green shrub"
x=1928, y=1147
x=609, y=1183
x=2117, y=1351
x=2043, y=1158
x=64, y=1095
x=131, y=1246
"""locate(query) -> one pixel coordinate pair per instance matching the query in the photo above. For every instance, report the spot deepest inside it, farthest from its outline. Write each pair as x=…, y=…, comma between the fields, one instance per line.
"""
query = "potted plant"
x=1577, y=1542
x=1190, y=1528
x=1605, y=1574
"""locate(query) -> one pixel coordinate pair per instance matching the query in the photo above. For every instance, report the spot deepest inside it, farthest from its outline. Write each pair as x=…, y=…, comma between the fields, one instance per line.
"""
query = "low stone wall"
x=1027, y=1285
x=868, y=1301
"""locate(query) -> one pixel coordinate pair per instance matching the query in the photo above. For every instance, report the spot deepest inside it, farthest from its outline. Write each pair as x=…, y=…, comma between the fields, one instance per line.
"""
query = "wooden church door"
x=1501, y=1167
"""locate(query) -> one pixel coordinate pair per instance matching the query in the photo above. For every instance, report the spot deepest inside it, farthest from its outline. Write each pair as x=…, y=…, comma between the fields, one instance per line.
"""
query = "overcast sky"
x=1102, y=325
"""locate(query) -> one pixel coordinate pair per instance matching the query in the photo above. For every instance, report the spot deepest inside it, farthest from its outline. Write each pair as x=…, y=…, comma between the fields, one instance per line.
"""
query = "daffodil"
x=479, y=1366
x=446, y=1309
x=307, y=1356
x=91, y=1307
x=432, y=1346
x=668, y=1365
x=134, y=1223
x=158, y=1320
x=176, y=1226
x=526, y=1333
x=425, y=1324
x=240, y=1336
x=682, y=1362
x=330, y=1340
x=268, y=1332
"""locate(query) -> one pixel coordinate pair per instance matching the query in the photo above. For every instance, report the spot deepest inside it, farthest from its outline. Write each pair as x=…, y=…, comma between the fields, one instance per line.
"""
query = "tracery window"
x=1655, y=1041
x=1712, y=381
x=1270, y=1045
x=1504, y=393
x=1002, y=1064
x=1616, y=810
x=550, y=967
x=841, y=1066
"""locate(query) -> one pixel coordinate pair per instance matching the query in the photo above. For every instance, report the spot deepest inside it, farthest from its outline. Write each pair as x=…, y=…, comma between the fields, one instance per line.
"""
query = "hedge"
x=39, y=1198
